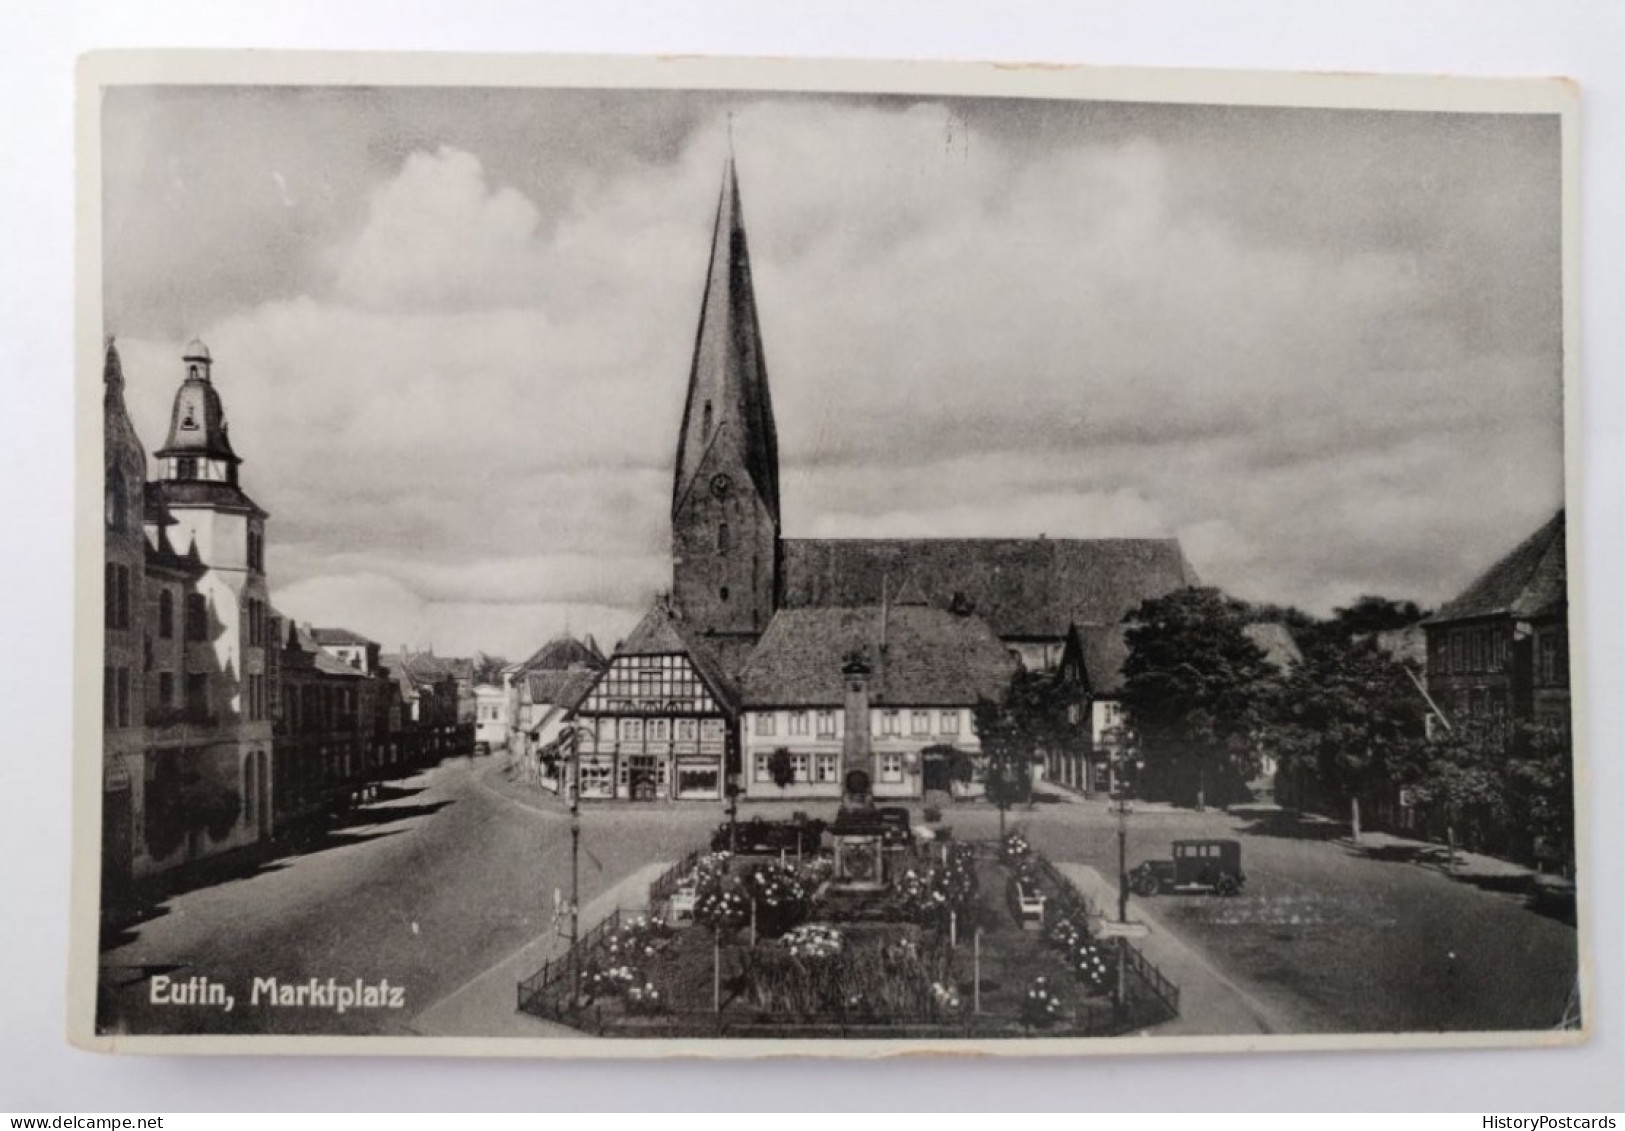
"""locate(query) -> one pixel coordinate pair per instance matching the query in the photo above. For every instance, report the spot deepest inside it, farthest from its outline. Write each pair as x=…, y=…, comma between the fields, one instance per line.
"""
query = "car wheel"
x=1144, y=884
x=1227, y=886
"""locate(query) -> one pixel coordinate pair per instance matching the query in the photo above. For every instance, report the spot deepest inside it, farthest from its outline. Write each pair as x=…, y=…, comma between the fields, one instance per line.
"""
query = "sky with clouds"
x=452, y=330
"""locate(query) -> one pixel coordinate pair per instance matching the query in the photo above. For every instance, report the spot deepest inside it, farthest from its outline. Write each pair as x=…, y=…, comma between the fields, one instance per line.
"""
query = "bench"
x=680, y=908
x=1027, y=906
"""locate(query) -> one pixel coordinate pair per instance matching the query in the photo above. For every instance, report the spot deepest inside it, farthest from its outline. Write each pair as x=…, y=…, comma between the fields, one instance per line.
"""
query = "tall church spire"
x=725, y=496
x=729, y=407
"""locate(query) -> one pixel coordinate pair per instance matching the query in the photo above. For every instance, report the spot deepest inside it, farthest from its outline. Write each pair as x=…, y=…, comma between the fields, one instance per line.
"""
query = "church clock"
x=721, y=485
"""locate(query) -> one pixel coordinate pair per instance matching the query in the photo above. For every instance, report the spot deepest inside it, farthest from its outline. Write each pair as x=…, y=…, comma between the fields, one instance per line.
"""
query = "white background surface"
x=1583, y=39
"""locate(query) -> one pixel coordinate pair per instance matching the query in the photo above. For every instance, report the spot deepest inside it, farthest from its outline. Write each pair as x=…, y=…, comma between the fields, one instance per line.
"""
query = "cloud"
x=466, y=389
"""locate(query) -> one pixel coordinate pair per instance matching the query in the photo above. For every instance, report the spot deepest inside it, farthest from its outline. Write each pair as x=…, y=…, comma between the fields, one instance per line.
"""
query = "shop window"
x=891, y=768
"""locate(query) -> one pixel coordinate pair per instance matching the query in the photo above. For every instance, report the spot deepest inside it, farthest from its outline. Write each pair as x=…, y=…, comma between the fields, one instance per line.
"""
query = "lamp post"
x=1123, y=810
x=574, y=738
x=732, y=790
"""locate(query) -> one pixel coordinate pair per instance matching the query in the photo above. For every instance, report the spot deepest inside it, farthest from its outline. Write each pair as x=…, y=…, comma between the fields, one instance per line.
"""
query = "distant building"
x=888, y=690
x=543, y=692
x=491, y=727
x=331, y=743
x=1498, y=654
x=186, y=711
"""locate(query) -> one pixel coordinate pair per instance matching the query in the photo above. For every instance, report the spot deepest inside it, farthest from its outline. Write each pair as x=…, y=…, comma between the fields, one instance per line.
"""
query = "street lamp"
x=732, y=790
x=574, y=738
x=1123, y=810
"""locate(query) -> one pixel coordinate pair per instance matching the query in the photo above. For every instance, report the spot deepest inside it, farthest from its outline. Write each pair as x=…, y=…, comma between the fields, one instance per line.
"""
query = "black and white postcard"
x=624, y=557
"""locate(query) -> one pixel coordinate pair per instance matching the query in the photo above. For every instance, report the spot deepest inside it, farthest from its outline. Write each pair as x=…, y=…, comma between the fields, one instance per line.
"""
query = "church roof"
x=728, y=405
x=1105, y=651
x=1022, y=587
x=1531, y=581
x=930, y=657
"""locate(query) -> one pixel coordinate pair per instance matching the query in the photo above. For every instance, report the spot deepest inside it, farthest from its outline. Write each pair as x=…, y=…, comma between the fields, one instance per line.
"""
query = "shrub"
x=1041, y=1008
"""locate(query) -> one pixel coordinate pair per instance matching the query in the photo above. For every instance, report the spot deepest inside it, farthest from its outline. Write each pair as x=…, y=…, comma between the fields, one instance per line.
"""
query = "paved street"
x=439, y=881
x=454, y=870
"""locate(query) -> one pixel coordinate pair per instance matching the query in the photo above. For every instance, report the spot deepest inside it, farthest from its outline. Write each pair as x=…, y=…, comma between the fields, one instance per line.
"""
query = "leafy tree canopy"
x=1194, y=685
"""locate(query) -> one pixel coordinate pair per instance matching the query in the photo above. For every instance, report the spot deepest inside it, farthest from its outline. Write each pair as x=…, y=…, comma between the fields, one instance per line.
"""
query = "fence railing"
x=533, y=990
x=1154, y=981
x=660, y=891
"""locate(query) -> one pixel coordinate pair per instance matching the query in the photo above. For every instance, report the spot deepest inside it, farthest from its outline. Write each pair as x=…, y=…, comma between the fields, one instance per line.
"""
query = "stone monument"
x=860, y=859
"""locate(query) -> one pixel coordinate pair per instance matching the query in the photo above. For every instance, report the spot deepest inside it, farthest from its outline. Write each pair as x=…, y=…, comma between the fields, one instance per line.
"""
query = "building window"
x=764, y=723
x=109, y=697
x=724, y=540
x=688, y=730
x=1546, y=671
x=115, y=499
x=186, y=468
x=802, y=764
x=762, y=770
x=891, y=722
x=705, y=420
x=659, y=730
x=197, y=693
x=1456, y=664
x=950, y=722
x=891, y=767
x=166, y=614
x=197, y=617
x=631, y=730
x=117, y=596
x=798, y=722
x=828, y=767
x=826, y=724
x=920, y=723
x=166, y=689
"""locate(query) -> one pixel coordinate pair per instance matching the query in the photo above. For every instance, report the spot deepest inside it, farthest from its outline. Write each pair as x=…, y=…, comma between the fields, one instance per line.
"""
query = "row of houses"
x=224, y=723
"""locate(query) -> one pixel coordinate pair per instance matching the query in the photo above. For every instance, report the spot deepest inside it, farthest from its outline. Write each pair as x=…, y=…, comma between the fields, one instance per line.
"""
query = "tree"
x=1370, y=614
x=1541, y=778
x=488, y=669
x=1013, y=731
x=1194, y=688
x=782, y=767
x=1347, y=716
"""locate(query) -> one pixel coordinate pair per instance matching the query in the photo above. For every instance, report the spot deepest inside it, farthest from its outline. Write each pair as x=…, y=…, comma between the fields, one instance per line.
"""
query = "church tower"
x=725, y=499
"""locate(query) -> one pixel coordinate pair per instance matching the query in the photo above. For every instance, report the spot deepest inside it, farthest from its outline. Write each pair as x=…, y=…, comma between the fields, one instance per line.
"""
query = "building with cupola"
x=749, y=645
x=186, y=697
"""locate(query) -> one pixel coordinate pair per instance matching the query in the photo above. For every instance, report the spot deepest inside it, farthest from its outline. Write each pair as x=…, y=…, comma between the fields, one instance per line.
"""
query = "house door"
x=642, y=777
x=936, y=772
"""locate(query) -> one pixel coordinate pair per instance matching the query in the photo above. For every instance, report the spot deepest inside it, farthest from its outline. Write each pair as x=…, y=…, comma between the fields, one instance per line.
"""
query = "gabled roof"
x=560, y=653
x=1531, y=581
x=564, y=689
x=1022, y=587
x=660, y=633
x=340, y=637
x=1105, y=650
x=428, y=666
x=200, y=493
x=1276, y=642
x=931, y=657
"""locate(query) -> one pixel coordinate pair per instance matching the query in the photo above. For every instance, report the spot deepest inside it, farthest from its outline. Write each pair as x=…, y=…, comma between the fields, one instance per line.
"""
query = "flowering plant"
x=813, y=941
x=1042, y=1007
x=781, y=897
x=720, y=907
x=945, y=998
x=644, y=999
x=609, y=981
x=1090, y=962
x=1016, y=847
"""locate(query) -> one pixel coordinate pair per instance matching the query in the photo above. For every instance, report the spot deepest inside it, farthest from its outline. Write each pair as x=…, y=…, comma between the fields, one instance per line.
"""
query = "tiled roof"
x=203, y=493
x=931, y=657
x=1531, y=581
x=1276, y=641
x=339, y=636
x=428, y=666
x=560, y=653
x=1105, y=649
x=1022, y=587
x=564, y=689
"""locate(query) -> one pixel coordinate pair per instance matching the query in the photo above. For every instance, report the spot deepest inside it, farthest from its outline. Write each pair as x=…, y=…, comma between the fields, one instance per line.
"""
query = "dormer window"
x=189, y=420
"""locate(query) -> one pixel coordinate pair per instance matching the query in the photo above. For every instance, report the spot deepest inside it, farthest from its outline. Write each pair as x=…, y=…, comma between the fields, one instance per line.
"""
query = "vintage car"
x=896, y=831
x=758, y=836
x=1197, y=865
